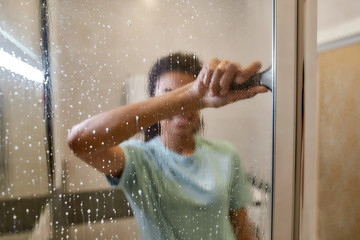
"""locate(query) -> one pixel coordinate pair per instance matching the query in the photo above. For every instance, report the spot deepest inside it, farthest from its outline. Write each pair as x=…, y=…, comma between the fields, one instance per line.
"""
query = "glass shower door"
x=97, y=57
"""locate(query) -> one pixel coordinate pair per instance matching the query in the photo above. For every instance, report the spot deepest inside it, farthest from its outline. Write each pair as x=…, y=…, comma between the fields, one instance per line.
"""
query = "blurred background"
x=64, y=61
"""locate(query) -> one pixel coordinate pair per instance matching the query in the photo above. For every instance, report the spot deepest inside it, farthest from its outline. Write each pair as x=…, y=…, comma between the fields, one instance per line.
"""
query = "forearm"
x=242, y=225
x=110, y=128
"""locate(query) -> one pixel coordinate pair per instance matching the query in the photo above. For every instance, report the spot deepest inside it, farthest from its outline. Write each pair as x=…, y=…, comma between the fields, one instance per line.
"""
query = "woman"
x=179, y=185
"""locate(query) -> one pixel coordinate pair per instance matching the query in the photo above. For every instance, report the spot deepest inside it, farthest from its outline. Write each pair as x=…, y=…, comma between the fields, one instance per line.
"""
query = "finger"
x=238, y=66
x=216, y=77
x=201, y=75
x=210, y=68
x=245, y=94
x=248, y=72
x=222, y=64
x=212, y=63
x=229, y=75
x=255, y=90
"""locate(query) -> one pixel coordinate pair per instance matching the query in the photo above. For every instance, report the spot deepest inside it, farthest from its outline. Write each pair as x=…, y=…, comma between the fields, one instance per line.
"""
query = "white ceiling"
x=334, y=12
x=338, y=19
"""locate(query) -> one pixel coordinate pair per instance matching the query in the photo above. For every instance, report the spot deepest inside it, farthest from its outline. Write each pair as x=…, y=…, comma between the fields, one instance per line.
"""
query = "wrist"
x=196, y=97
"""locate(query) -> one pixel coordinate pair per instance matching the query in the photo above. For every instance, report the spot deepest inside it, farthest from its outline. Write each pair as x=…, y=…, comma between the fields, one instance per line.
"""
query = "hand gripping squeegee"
x=260, y=79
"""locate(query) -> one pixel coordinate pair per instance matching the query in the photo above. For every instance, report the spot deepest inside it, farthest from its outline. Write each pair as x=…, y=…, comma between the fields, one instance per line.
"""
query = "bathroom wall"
x=339, y=143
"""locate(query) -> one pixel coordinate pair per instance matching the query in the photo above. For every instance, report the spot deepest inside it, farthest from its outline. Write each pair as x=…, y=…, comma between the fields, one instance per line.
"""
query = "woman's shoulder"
x=137, y=150
x=218, y=145
x=140, y=144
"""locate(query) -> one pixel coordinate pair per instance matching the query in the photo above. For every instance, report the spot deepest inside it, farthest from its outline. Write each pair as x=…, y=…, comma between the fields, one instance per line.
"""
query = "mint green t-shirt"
x=178, y=197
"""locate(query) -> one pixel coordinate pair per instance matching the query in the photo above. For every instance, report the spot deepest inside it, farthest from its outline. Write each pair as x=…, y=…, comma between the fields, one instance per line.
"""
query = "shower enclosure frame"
x=294, y=118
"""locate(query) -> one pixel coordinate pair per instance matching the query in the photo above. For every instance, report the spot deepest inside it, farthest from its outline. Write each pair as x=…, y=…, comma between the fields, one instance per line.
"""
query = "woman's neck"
x=183, y=145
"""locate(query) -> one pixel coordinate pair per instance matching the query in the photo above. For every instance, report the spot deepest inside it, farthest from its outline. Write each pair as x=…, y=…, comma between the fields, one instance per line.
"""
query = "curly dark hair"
x=175, y=62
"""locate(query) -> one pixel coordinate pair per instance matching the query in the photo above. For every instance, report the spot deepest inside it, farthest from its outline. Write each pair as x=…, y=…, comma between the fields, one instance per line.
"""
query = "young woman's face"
x=183, y=124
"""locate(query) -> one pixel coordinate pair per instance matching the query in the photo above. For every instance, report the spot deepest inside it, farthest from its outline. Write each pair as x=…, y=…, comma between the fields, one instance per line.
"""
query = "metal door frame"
x=294, y=61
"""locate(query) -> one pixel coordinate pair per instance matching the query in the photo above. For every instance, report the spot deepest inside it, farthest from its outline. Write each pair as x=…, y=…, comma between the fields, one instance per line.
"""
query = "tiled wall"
x=339, y=144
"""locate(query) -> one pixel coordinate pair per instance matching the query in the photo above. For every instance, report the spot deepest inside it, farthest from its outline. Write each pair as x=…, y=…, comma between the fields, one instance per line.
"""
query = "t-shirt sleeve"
x=134, y=157
x=240, y=189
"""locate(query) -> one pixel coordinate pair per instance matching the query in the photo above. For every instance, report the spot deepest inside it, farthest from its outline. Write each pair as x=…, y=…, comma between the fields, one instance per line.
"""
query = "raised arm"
x=96, y=140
